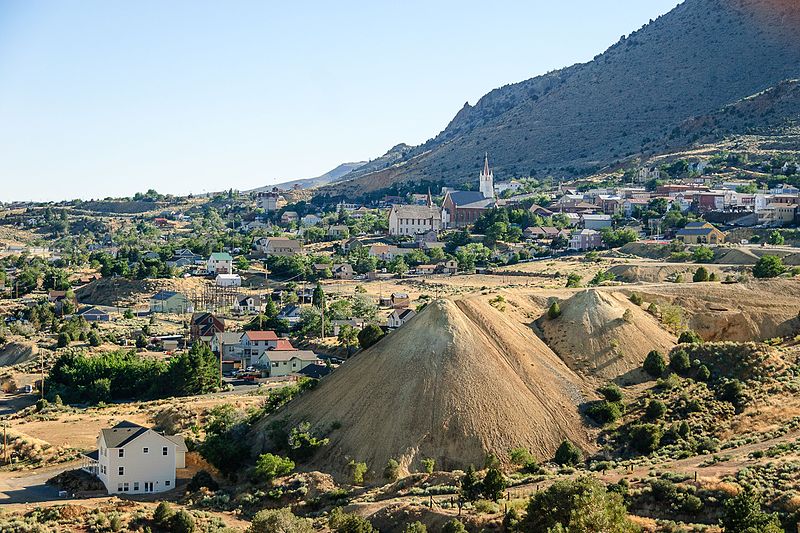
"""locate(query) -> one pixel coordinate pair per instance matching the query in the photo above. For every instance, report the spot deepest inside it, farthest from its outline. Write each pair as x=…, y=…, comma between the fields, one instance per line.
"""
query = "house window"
x=164, y=450
x=119, y=487
x=167, y=482
x=145, y=450
x=121, y=452
x=122, y=471
x=135, y=485
x=125, y=487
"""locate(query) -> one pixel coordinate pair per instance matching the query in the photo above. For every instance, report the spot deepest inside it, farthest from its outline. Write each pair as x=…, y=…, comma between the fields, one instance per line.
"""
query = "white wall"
x=140, y=467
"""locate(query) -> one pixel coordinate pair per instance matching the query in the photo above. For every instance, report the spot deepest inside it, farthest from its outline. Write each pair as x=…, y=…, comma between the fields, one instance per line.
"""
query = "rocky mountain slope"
x=307, y=183
x=692, y=62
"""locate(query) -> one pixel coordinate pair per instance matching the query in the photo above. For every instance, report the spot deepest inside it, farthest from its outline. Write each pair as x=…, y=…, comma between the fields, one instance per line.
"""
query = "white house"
x=282, y=246
x=220, y=263
x=310, y=220
x=279, y=363
x=413, y=219
x=249, y=303
x=134, y=459
x=400, y=317
x=228, y=280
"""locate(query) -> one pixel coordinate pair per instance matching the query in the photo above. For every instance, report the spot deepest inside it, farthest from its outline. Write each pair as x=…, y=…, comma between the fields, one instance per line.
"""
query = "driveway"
x=30, y=487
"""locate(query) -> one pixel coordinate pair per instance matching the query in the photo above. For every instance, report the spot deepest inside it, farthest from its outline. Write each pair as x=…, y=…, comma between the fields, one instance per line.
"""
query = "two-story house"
x=137, y=460
x=219, y=263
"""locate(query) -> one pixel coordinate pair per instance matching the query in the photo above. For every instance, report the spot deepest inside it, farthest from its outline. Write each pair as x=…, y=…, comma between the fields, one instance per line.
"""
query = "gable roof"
x=464, y=198
x=163, y=295
x=261, y=335
x=92, y=311
x=221, y=256
x=122, y=434
x=288, y=355
x=416, y=211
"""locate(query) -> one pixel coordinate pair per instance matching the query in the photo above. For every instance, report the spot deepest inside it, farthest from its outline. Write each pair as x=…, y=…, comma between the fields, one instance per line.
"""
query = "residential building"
x=93, y=314
x=310, y=220
x=585, y=239
x=219, y=263
x=700, y=233
x=448, y=267
x=289, y=216
x=400, y=300
x=400, y=317
x=290, y=313
x=386, y=252
x=132, y=459
x=338, y=231
x=228, y=280
x=596, y=222
x=279, y=246
x=228, y=344
x=248, y=304
x=203, y=326
x=342, y=271
x=268, y=201
x=170, y=302
x=254, y=343
x=283, y=362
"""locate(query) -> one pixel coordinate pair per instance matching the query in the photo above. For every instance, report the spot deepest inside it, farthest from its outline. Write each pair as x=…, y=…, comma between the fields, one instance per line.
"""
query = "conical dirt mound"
x=457, y=382
x=594, y=338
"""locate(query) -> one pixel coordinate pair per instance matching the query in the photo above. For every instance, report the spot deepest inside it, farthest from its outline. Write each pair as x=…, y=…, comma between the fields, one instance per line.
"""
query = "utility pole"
x=5, y=443
x=41, y=358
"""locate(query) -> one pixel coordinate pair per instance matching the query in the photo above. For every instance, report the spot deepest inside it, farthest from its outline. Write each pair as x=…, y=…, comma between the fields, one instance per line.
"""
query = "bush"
x=663, y=490
x=645, y=438
x=182, y=522
x=520, y=456
x=282, y=520
x=568, y=454
x=270, y=466
x=733, y=391
x=554, y=311
x=743, y=514
x=163, y=514
x=691, y=505
x=655, y=410
x=703, y=254
x=703, y=373
x=611, y=392
x=428, y=464
x=470, y=486
x=392, y=470
x=769, y=266
x=679, y=361
x=357, y=471
x=636, y=299
x=454, y=526
x=604, y=412
x=342, y=522
x=654, y=364
x=63, y=339
x=583, y=504
x=415, y=527
x=690, y=337
x=202, y=479
x=627, y=316
x=700, y=275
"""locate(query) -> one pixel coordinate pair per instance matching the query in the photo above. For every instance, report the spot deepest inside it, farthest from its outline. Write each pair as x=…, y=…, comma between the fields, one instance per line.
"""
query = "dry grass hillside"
x=456, y=383
x=596, y=338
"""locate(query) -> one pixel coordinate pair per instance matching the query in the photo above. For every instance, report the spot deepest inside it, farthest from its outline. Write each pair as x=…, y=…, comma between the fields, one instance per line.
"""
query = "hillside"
x=308, y=183
x=455, y=383
x=627, y=100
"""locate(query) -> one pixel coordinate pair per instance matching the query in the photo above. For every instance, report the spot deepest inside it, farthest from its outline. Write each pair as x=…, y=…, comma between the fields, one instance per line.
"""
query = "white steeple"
x=487, y=179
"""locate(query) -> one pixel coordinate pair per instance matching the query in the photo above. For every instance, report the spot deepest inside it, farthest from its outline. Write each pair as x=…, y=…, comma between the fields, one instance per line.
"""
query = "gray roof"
x=229, y=337
x=417, y=211
x=180, y=443
x=464, y=198
x=288, y=355
x=163, y=295
x=695, y=231
x=122, y=434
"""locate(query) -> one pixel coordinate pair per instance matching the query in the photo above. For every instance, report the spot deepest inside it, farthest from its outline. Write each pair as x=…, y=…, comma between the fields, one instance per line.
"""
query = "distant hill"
x=695, y=60
x=309, y=183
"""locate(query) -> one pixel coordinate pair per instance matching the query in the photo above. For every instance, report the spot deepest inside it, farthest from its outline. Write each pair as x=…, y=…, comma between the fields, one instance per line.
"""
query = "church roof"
x=467, y=198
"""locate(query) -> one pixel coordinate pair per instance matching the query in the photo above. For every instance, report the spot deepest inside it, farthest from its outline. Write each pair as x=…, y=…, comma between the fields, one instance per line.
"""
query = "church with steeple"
x=462, y=208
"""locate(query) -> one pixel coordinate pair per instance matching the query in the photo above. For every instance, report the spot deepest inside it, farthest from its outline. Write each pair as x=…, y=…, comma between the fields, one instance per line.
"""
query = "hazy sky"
x=105, y=98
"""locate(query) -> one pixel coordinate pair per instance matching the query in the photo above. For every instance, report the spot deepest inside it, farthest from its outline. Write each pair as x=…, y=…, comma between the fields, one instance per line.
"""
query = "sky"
x=106, y=98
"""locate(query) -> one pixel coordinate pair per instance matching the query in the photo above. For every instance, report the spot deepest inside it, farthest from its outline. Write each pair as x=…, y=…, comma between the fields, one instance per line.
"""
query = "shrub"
x=635, y=299
x=627, y=316
x=454, y=526
x=470, y=486
x=583, y=504
x=573, y=281
x=554, y=311
x=663, y=490
x=700, y=275
x=733, y=391
x=270, y=466
x=604, y=412
x=645, y=438
x=392, y=470
x=520, y=456
x=369, y=336
x=703, y=373
x=743, y=514
x=63, y=339
x=428, y=464
x=691, y=505
x=202, y=479
x=769, y=266
x=163, y=514
x=611, y=392
x=415, y=527
x=568, y=454
x=342, y=522
x=679, y=361
x=182, y=522
x=357, y=471
x=689, y=337
x=283, y=520
x=703, y=254
x=655, y=410
x=654, y=364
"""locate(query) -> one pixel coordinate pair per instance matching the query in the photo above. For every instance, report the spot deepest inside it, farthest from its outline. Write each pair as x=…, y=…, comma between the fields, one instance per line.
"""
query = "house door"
x=148, y=486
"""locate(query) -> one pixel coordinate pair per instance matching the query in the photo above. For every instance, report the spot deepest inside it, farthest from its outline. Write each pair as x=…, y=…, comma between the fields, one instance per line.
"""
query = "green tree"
x=703, y=254
x=318, y=297
x=279, y=521
x=454, y=526
x=769, y=266
x=415, y=527
x=369, y=336
x=428, y=464
x=182, y=522
x=163, y=514
x=679, y=361
x=700, y=275
x=645, y=438
x=94, y=338
x=392, y=470
x=195, y=372
x=775, y=238
x=399, y=266
x=357, y=471
x=470, y=485
x=342, y=522
x=743, y=514
x=568, y=454
x=271, y=466
x=493, y=484
x=689, y=337
x=655, y=410
x=611, y=392
x=578, y=506
x=554, y=311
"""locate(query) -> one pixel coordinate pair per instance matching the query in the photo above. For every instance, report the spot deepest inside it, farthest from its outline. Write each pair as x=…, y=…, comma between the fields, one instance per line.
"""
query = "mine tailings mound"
x=457, y=382
x=15, y=353
x=594, y=338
